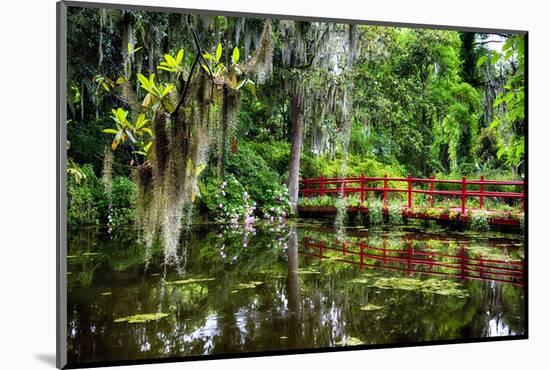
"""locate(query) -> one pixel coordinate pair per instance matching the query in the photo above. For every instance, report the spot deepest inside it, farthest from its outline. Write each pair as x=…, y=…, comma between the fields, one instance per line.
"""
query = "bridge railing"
x=362, y=185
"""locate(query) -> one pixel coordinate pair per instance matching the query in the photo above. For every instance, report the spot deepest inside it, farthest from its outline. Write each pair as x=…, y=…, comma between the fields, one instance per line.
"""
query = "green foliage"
x=139, y=134
x=75, y=171
x=376, y=215
x=260, y=180
x=85, y=199
x=89, y=202
x=123, y=198
x=226, y=200
x=509, y=123
x=227, y=76
x=395, y=212
x=316, y=166
x=479, y=220
x=171, y=64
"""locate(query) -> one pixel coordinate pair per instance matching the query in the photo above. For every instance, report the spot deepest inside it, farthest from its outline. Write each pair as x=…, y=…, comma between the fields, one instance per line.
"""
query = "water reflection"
x=463, y=264
x=289, y=287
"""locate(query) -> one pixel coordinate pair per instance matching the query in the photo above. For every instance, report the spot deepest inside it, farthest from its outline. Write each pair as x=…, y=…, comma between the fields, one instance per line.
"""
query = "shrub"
x=454, y=215
x=123, y=198
x=395, y=214
x=434, y=212
x=224, y=199
x=479, y=221
x=260, y=181
x=86, y=199
x=89, y=202
x=376, y=216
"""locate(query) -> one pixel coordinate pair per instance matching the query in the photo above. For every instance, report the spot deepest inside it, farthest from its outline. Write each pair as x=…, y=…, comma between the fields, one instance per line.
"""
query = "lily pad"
x=350, y=341
x=249, y=285
x=308, y=271
x=371, y=307
x=141, y=318
x=428, y=286
x=189, y=281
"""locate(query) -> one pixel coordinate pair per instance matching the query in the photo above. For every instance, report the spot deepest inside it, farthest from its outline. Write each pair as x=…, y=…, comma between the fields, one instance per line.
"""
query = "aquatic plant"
x=142, y=318
x=189, y=281
x=249, y=285
x=308, y=271
x=428, y=286
x=350, y=341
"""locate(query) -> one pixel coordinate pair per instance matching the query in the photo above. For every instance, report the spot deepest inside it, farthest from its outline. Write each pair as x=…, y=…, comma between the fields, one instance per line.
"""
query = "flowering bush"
x=277, y=204
x=228, y=200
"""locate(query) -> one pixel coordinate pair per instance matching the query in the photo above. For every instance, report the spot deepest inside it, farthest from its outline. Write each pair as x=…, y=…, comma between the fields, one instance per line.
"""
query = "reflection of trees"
x=293, y=290
x=291, y=309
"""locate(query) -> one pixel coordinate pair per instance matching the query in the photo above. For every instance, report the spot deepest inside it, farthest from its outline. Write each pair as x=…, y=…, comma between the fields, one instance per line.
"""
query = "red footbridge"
x=459, y=192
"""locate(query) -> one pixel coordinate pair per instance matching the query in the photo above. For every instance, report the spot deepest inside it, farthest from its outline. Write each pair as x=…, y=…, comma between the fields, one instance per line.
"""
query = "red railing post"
x=362, y=190
x=322, y=187
x=431, y=190
x=409, y=179
x=385, y=186
x=481, y=192
x=463, y=194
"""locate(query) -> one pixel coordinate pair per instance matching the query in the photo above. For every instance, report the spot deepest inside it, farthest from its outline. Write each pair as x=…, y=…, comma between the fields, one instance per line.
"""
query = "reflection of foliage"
x=207, y=311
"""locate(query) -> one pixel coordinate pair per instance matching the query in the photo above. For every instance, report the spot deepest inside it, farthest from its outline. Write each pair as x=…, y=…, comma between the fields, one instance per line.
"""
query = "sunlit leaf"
x=179, y=57
x=481, y=61
x=219, y=51
x=236, y=55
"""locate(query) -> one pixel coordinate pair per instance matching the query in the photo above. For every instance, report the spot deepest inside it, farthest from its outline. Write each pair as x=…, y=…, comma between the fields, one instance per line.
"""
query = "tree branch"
x=193, y=66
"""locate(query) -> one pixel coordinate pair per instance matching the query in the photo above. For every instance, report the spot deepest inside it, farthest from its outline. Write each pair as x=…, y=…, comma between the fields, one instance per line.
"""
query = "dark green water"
x=282, y=287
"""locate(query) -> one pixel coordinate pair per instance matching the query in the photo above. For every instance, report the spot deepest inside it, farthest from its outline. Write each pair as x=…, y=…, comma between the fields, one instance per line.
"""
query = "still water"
x=288, y=286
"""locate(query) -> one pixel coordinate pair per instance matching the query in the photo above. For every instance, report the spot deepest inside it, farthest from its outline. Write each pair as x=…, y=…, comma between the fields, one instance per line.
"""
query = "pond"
x=294, y=285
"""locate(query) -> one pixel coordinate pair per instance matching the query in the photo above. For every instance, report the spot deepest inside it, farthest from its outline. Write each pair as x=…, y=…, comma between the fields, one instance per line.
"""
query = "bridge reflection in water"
x=412, y=259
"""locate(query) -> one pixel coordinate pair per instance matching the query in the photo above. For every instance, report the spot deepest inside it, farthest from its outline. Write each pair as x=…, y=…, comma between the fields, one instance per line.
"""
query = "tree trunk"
x=296, y=147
